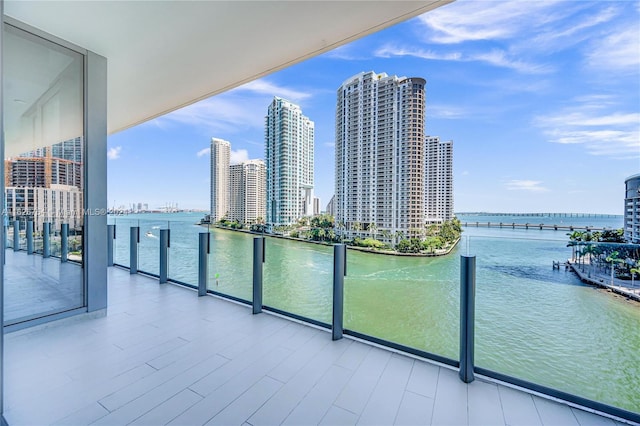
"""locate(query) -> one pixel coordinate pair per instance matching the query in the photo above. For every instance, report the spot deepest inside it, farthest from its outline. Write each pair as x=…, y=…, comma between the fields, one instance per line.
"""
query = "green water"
x=532, y=322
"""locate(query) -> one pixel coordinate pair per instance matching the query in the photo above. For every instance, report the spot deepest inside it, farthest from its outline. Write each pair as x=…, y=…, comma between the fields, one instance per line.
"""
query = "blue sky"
x=541, y=99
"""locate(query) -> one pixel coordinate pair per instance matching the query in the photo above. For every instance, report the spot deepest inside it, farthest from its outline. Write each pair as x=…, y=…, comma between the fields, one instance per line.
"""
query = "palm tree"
x=399, y=235
x=386, y=234
x=357, y=226
x=613, y=259
x=633, y=271
x=574, y=238
x=373, y=229
x=331, y=234
x=590, y=250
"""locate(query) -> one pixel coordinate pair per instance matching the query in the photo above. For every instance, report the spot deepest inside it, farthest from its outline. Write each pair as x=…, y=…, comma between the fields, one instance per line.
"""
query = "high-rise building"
x=316, y=206
x=380, y=155
x=289, y=144
x=331, y=206
x=247, y=191
x=632, y=209
x=220, y=156
x=438, y=180
x=45, y=185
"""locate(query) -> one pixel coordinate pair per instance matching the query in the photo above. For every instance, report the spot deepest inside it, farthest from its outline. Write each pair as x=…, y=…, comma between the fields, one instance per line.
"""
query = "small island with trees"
x=432, y=240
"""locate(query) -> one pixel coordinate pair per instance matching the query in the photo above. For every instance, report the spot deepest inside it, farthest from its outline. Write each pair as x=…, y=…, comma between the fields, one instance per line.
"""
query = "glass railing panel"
x=298, y=278
x=183, y=251
x=75, y=244
x=55, y=245
x=537, y=321
x=149, y=246
x=37, y=238
x=408, y=300
x=121, y=244
x=23, y=234
x=8, y=234
x=231, y=263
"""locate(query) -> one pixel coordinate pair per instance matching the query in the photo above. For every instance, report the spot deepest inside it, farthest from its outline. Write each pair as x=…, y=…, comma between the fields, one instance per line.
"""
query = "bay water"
x=533, y=322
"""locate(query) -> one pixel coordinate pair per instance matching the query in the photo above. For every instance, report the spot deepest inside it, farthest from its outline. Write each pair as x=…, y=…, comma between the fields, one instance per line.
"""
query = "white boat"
x=149, y=234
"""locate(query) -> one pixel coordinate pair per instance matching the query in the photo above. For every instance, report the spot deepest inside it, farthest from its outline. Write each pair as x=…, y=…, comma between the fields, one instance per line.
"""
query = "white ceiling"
x=163, y=55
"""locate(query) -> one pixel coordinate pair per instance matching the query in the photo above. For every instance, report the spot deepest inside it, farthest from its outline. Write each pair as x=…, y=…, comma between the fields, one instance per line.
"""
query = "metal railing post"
x=134, y=239
x=203, y=264
x=30, y=237
x=339, y=272
x=467, y=316
x=164, y=259
x=111, y=235
x=64, y=242
x=258, y=261
x=16, y=235
x=46, y=239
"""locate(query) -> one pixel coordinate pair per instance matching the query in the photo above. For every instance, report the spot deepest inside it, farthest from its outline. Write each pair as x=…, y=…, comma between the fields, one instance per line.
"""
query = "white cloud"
x=239, y=156
x=525, y=185
x=265, y=87
x=480, y=20
x=389, y=50
x=203, y=152
x=596, y=125
x=344, y=52
x=617, y=51
x=498, y=58
x=114, y=153
x=450, y=112
x=220, y=114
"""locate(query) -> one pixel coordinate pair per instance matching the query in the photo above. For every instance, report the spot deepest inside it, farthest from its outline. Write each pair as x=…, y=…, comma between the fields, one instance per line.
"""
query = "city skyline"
x=525, y=90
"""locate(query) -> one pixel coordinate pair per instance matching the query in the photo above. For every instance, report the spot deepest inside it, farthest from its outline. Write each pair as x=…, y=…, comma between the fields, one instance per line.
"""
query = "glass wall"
x=44, y=176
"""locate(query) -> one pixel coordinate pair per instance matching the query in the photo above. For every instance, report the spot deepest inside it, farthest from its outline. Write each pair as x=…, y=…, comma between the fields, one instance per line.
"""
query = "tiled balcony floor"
x=164, y=356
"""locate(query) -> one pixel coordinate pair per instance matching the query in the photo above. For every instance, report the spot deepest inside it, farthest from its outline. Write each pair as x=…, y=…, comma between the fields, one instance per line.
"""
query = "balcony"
x=388, y=301
x=164, y=356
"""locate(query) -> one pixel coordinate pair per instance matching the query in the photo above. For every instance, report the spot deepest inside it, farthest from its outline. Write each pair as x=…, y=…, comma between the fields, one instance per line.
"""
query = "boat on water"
x=149, y=234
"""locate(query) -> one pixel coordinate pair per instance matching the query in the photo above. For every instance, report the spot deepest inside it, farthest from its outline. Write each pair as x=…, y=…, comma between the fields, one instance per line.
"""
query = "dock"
x=604, y=282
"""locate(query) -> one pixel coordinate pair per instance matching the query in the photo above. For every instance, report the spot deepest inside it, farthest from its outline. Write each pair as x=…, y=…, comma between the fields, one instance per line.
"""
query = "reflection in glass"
x=44, y=143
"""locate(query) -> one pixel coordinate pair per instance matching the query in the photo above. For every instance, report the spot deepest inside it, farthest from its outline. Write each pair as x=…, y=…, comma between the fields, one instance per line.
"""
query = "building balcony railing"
x=518, y=317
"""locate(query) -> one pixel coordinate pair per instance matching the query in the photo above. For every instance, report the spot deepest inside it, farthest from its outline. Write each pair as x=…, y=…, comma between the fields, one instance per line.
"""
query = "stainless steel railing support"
x=164, y=254
x=64, y=242
x=134, y=239
x=258, y=262
x=203, y=264
x=30, y=237
x=46, y=239
x=467, y=316
x=111, y=235
x=339, y=272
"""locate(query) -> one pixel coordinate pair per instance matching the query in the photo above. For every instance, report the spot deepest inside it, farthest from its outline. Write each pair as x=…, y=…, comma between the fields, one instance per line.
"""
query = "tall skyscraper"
x=247, y=191
x=382, y=157
x=220, y=156
x=289, y=144
x=438, y=180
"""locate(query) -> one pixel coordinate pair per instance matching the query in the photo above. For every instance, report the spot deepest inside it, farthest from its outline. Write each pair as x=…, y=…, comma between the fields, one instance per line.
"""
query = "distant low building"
x=632, y=209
